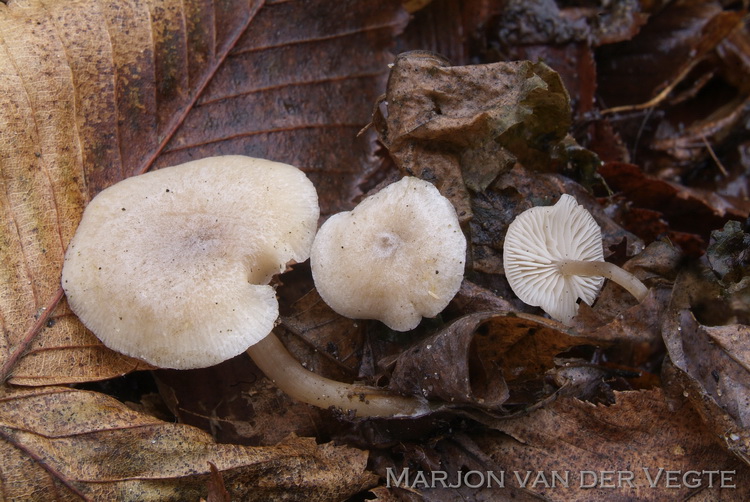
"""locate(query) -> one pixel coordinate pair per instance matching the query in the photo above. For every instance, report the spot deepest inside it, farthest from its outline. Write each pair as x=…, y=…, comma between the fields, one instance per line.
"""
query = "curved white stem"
x=608, y=270
x=271, y=356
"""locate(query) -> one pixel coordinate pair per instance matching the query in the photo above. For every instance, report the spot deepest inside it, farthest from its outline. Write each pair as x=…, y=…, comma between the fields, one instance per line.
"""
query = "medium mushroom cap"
x=399, y=255
x=537, y=243
x=173, y=266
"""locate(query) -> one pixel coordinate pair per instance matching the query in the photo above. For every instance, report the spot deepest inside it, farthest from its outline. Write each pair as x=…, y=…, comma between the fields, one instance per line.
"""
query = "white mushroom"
x=396, y=257
x=172, y=267
x=553, y=256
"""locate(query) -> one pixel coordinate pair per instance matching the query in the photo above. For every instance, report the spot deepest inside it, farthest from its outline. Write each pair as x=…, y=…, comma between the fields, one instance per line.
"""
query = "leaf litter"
x=660, y=385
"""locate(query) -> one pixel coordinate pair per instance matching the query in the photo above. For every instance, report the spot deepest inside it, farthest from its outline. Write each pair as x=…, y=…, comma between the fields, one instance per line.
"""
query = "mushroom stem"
x=608, y=270
x=272, y=357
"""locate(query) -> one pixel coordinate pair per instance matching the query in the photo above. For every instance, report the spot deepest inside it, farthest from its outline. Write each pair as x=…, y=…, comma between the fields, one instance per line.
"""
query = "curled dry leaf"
x=56, y=443
x=93, y=92
x=486, y=360
x=449, y=367
x=461, y=126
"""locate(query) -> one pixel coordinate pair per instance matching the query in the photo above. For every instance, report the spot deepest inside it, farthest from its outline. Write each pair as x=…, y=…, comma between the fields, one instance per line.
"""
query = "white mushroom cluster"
x=173, y=267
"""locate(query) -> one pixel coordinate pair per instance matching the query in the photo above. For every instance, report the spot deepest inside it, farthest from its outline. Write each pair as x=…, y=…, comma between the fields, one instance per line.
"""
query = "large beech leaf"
x=63, y=444
x=93, y=91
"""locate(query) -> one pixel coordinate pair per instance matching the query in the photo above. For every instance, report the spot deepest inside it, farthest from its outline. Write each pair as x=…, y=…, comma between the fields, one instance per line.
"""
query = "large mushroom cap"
x=173, y=266
x=537, y=241
x=399, y=255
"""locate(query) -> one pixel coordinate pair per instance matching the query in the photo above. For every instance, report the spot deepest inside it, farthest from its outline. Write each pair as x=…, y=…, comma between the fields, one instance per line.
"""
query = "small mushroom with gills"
x=173, y=267
x=396, y=257
x=553, y=256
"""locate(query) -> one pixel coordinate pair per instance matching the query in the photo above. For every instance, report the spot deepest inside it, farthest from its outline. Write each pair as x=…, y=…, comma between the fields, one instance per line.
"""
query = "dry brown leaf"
x=710, y=366
x=638, y=432
x=449, y=367
x=706, y=337
x=461, y=126
x=716, y=357
x=56, y=443
x=217, y=492
x=686, y=209
x=93, y=91
x=60, y=442
x=486, y=359
x=604, y=448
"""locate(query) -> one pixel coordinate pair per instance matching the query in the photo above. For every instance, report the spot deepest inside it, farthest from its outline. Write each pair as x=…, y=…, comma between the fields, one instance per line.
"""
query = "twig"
x=713, y=156
x=716, y=30
x=656, y=100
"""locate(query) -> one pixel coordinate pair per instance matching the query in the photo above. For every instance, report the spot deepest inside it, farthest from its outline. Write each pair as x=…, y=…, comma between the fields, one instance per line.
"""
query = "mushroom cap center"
x=387, y=244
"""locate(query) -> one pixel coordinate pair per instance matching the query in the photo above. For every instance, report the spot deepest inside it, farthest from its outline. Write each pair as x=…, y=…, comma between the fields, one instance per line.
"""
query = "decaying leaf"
x=56, y=443
x=638, y=439
x=461, y=126
x=690, y=210
x=729, y=252
x=486, y=360
x=539, y=22
x=634, y=449
x=717, y=358
x=93, y=92
x=449, y=367
x=708, y=341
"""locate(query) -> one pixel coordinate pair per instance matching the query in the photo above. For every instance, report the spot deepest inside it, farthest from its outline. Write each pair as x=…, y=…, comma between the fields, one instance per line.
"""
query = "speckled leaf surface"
x=63, y=444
